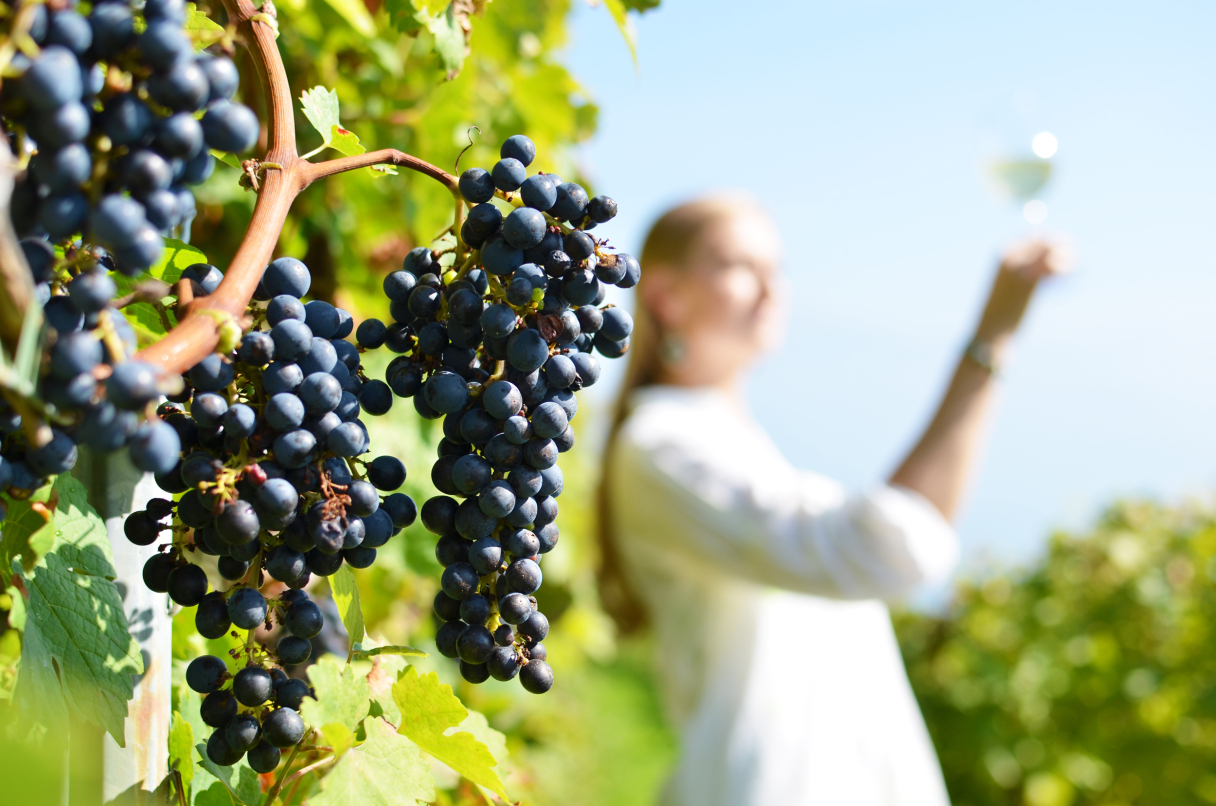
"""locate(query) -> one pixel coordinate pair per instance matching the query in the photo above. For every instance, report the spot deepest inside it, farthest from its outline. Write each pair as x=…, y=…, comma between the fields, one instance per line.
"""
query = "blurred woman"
x=765, y=584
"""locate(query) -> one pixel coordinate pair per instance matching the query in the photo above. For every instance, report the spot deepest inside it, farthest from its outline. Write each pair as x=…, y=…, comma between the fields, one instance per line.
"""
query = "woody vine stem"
x=286, y=175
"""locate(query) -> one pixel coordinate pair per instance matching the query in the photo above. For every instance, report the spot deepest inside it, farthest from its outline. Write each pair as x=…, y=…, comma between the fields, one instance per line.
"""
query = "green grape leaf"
x=342, y=695
x=200, y=28
x=79, y=613
x=428, y=710
x=620, y=15
x=355, y=13
x=320, y=106
x=407, y=651
x=240, y=783
x=29, y=529
x=177, y=257
x=346, y=596
x=228, y=159
x=38, y=695
x=28, y=358
x=451, y=45
x=386, y=770
x=407, y=16
x=181, y=749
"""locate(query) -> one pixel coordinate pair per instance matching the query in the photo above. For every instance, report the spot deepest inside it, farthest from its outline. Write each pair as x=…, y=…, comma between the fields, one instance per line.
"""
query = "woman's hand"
x=1023, y=266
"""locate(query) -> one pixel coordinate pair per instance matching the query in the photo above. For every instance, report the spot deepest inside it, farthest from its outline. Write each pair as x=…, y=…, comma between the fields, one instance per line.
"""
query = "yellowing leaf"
x=227, y=159
x=338, y=736
x=342, y=696
x=346, y=596
x=200, y=28
x=345, y=142
x=355, y=13
x=428, y=710
x=386, y=770
x=620, y=15
x=181, y=749
x=29, y=530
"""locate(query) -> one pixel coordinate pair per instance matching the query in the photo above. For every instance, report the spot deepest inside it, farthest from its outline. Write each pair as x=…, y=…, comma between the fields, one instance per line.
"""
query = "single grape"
x=231, y=127
x=376, y=398
x=485, y=555
x=518, y=147
x=571, y=202
x=211, y=619
x=218, y=750
x=499, y=257
x=475, y=643
x=503, y=663
x=264, y=757
x=446, y=637
x=187, y=585
x=515, y=608
x=371, y=333
x=252, y=686
x=508, y=174
x=156, y=572
x=524, y=228
x=242, y=732
x=459, y=580
x=476, y=185
x=538, y=192
x=247, y=608
x=218, y=708
x=206, y=673
x=293, y=651
x=222, y=77
x=304, y=620
x=536, y=676
x=238, y=522
x=141, y=529
x=283, y=727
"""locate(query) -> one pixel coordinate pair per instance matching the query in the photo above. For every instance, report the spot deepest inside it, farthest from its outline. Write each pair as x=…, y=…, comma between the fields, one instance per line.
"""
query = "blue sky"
x=867, y=128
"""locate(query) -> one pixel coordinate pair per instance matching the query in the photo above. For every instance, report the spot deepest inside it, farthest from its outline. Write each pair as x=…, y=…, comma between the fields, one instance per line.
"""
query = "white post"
x=116, y=488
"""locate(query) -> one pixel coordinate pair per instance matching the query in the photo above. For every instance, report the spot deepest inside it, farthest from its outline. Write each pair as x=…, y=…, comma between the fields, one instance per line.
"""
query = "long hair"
x=667, y=248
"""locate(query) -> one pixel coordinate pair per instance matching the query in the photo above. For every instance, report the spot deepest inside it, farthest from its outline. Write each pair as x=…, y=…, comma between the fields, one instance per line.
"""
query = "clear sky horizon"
x=867, y=129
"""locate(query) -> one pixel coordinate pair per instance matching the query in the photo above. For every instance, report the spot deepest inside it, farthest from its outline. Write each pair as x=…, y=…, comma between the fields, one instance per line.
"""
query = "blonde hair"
x=668, y=247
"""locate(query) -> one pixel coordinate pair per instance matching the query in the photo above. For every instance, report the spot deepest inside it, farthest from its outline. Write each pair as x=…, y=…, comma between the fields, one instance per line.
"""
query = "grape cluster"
x=108, y=112
x=270, y=484
x=272, y=721
x=88, y=392
x=496, y=342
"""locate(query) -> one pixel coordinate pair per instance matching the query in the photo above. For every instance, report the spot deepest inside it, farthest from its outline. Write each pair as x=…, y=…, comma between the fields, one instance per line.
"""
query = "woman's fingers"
x=1036, y=258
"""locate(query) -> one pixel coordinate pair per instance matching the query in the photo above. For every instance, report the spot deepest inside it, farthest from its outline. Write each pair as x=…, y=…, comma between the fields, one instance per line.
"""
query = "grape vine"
x=247, y=412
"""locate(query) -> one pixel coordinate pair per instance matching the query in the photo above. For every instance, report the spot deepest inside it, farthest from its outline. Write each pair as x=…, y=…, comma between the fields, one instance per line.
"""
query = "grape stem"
x=198, y=332
x=300, y=773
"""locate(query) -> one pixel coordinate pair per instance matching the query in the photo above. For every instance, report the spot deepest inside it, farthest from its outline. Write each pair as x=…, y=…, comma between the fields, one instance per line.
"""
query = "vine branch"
x=198, y=330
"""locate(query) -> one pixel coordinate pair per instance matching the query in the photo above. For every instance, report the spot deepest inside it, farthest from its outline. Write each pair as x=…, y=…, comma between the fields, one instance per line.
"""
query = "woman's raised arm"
x=940, y=465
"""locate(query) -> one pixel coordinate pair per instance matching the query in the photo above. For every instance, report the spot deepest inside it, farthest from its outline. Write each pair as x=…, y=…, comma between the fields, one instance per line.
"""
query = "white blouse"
x=764, y=584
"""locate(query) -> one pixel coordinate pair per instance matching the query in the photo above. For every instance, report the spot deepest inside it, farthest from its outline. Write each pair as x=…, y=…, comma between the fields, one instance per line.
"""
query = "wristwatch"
x=983, y=353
